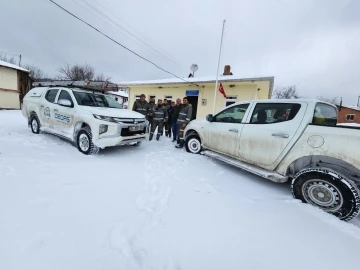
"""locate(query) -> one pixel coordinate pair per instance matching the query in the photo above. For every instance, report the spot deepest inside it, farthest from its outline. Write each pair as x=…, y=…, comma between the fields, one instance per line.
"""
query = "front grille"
x=129, y=120
x=126, y=133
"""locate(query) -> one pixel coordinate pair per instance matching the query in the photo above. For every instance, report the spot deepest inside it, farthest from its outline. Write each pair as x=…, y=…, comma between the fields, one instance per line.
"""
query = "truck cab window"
x=233, y=114
x=65, y=95
x=325, y=115
x=270, y=113
x=51, y=95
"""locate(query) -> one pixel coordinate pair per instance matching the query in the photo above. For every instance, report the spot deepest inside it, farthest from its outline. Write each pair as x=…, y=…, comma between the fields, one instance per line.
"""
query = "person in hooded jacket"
x=185, y=116
x=160, y=117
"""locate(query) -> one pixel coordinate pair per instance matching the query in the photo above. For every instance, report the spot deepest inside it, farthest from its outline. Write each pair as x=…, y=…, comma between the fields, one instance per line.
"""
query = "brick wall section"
x=345, y=111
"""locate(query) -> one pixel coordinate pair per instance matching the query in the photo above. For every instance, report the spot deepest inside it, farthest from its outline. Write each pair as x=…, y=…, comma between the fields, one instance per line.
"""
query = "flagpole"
x=217, y=72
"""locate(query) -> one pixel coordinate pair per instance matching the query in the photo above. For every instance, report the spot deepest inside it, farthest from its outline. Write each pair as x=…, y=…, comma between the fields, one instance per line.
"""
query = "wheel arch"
x=77, y=127
x=192, y=132
x=31, y=114
x=319, y=161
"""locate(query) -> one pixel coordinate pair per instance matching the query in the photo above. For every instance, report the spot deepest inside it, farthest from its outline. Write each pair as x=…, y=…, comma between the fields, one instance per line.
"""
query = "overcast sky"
x=312, y=44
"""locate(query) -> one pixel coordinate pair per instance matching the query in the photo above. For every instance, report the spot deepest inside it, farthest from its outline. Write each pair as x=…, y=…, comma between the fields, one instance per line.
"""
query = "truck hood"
x=111, y=112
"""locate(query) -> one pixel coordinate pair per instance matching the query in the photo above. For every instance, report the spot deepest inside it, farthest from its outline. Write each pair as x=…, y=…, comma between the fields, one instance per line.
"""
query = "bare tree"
x=288, y=92
x=333, y=100
x=35, y=73
x=80, y=73
x=6, y=59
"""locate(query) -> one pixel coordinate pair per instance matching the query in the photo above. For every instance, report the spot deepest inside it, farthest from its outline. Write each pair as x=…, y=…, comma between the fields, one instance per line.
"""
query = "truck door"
x=223, y=133
x=47, y=108
x=64, y=115
x=270, y=130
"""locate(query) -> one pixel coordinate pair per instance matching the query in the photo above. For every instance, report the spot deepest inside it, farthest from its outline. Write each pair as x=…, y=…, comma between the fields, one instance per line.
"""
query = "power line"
x=131, y=34
x=144, y=37
x=113, y=40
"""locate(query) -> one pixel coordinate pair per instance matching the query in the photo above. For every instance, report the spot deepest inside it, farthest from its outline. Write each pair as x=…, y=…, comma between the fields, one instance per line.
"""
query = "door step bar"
x=273, y=176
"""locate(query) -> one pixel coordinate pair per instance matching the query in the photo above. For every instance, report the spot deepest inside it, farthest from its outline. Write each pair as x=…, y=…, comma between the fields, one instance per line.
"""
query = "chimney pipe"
x=227, y=70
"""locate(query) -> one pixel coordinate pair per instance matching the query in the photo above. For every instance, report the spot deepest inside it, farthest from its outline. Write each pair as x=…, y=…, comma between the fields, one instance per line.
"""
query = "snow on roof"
x=119, y=93
x=6, y=64
x=200, y=80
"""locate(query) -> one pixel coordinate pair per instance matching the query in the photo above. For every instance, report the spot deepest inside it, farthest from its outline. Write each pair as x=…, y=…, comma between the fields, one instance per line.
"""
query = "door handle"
x=55, y=110
x=233, y=130
x=281, y=135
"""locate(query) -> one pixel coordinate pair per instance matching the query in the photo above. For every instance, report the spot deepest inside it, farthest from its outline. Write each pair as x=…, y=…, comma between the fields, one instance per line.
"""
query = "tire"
x=193, y=144
x=84, y=142
x=137, y=144
x=35, y=124
x=328, y=191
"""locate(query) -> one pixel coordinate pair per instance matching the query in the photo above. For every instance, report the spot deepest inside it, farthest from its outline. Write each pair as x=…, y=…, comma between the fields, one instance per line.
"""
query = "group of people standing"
x=172, y=118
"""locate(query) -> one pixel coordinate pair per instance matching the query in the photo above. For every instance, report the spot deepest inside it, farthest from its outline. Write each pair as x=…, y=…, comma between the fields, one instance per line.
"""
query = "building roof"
x=356, y=108
x=119, y=93
x=207, y=79
x=8, y=65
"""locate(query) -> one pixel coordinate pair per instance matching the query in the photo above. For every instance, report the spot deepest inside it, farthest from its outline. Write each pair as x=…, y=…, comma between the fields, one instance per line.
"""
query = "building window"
x=230, y=100
x=169, y=98
x=350, y=117
x=137, y=97
x=154, y=97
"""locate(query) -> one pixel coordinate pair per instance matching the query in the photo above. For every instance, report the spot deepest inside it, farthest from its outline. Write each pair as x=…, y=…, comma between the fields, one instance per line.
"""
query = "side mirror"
x=209, y=117
x=65, y=103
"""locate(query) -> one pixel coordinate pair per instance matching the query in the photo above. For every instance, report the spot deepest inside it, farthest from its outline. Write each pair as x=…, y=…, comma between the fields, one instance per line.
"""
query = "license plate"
x=136, y=128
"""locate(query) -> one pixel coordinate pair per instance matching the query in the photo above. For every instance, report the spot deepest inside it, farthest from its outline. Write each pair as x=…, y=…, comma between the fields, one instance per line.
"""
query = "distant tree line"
x=67, y=72
x=291, y=92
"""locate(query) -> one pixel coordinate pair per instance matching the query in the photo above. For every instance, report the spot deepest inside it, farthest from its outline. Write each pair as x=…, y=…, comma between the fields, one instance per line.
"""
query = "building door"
x=193, y=97
x=193, y=101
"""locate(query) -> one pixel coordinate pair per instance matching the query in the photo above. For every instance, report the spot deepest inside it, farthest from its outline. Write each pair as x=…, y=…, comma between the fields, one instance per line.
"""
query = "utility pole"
x=217, y=72
x=358, y=104
x=20, y=60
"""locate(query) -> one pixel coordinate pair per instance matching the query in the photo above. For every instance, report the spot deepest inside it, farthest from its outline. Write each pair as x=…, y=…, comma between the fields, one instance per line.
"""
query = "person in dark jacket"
x=166, y=126
x=141, y=106
x=174, y=119
x=170, y=113
x=160, y=117
x=184, y=118
x=149, y=114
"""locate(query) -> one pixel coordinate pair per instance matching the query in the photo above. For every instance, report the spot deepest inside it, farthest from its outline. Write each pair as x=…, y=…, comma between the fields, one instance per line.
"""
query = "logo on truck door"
x=62, y=118
x=47, y=113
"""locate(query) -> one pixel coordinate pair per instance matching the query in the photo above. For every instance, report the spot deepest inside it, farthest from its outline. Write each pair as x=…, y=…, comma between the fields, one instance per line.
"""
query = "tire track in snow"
x=152, y=204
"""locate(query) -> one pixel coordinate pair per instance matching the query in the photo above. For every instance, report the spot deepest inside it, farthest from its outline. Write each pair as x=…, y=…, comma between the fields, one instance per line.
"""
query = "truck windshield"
x=95, y=100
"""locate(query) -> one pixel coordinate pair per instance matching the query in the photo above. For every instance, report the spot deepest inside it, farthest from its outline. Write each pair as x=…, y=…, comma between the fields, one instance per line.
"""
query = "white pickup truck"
x=90, y=119
x=282, y=140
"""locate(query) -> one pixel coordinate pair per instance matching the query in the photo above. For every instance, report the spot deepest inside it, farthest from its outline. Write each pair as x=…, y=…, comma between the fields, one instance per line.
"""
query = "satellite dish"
x=194, y=68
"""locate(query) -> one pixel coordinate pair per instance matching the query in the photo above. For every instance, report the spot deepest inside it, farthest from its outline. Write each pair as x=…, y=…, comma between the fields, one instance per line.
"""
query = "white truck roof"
x=100, y=86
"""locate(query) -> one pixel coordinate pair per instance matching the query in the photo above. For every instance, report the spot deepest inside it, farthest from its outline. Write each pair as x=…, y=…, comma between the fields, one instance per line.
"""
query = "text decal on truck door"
x=62, y=118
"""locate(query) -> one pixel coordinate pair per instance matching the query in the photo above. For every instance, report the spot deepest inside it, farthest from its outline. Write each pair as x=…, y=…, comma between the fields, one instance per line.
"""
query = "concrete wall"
x=342, y=116
x=9, y=93
x=242, y=90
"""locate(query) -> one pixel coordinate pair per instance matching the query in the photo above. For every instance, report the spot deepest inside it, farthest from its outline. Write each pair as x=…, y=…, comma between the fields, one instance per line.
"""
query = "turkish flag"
x=222, y=91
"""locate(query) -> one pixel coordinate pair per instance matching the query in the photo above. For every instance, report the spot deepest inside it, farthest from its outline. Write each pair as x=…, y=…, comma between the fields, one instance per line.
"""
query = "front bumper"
x=118, y=134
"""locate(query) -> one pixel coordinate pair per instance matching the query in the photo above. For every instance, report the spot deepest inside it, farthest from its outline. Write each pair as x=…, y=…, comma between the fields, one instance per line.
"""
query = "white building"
x=121, y=97
x=14, y=83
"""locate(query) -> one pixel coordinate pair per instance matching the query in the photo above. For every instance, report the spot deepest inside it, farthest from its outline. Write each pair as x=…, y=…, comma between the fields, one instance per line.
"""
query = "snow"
x=200, y=80
x=119, y=93
x=349, y=124
x=6, y=64
x=152, y=207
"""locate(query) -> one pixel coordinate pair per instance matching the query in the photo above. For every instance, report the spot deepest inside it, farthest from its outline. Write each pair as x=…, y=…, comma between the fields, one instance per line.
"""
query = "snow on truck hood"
x=111, y=112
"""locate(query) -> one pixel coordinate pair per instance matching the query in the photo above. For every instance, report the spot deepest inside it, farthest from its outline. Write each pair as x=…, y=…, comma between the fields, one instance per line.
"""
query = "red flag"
x=222, y=91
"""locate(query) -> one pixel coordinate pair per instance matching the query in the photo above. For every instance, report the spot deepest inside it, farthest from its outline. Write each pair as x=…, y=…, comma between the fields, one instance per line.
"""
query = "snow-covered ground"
x=153, y=207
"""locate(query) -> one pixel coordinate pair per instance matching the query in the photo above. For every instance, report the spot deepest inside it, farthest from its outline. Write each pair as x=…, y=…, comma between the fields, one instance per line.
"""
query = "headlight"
x=103, y=129
x=104, y=118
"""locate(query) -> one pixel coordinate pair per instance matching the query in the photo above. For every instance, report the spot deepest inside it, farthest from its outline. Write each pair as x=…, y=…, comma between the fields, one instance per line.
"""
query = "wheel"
x=193, y=144
x=137, y=144
x=85, y=143
x=329, y=191
x=35, y=124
